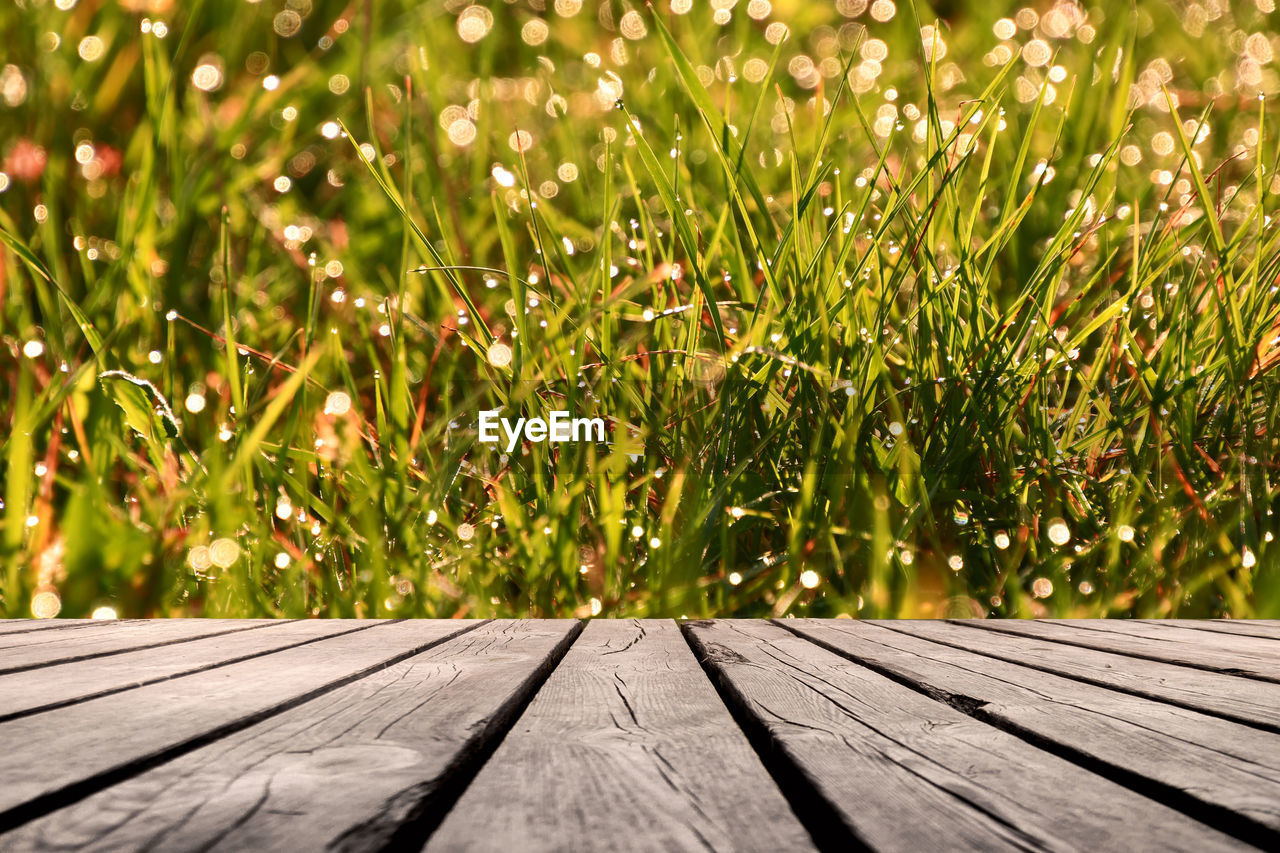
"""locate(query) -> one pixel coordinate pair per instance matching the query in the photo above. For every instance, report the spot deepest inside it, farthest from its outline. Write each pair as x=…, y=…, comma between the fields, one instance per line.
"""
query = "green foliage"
x=912, y=313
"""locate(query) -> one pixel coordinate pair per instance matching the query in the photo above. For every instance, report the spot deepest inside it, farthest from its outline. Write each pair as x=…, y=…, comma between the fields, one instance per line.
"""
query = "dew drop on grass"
x=338, y=403
x=1125, y=532
x=207, y=77
x=198, y=558
x=499, y=354
x=809, y=579
x=1059, y=533
x=1001, y=540
x=45, y=605
x=224, y=552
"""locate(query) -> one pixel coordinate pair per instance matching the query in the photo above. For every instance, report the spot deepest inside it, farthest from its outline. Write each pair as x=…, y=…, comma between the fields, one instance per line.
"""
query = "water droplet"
x=224, y=552
x=1059, y=533
x=337, y=403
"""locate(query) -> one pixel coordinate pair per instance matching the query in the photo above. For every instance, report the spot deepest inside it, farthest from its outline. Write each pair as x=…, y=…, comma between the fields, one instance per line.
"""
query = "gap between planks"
x=108, y=740
x=481, y=770
x=29, y=651
x=349, y=768
x=1217, y=771
x=57, y=685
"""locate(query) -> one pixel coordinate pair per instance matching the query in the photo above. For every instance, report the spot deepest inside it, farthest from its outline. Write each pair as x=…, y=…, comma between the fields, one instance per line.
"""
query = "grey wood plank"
x=93, y=629
x=24, y=626
x=875, y=750
x=1243, y=656
x=1244, y=700
x=56, y=757
x=1180, y=631
x=43, y=648
x=1220, y=772
x=47, y=687
x=626, y=747
x=1260, y=628
x=344, y=770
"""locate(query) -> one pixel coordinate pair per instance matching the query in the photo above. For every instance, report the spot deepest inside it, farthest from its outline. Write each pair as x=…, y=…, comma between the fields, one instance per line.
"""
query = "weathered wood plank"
x=42, y=689
x=25, y=626
x=1220, y=772
x=43, y=648
x=875, y=750
x=1260, y=628
x=1241, y=656
x=59, y=756
x=344, y=770
x=1175, y=631
x=1244, y=700
x=627, y=746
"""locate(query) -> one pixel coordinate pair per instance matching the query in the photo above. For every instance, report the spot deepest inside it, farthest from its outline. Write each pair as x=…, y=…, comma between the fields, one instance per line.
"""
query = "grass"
x=950, y=312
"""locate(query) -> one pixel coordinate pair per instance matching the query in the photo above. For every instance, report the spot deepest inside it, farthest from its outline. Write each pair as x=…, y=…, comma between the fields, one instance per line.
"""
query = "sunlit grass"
x=892, y=312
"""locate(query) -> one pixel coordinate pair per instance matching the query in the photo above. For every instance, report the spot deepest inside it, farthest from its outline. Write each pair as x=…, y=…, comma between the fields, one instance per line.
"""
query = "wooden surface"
x=521, y=735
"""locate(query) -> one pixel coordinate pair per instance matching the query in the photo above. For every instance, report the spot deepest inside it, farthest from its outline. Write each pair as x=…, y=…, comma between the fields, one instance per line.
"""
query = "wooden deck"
x=639, y=735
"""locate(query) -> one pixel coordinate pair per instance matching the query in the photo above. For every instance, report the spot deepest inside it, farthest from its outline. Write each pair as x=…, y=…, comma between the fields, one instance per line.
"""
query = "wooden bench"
x=521, y=735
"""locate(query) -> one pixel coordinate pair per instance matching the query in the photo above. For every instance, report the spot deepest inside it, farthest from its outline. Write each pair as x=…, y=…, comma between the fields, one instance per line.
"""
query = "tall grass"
x=944, y=314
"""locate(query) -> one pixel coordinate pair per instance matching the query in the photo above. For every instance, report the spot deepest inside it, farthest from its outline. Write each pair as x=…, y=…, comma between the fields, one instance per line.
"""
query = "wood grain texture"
x=1244, y=656
x=48, y=687
x=43, y=648
x=1267, y=629
x=57, y=757
x=24, y=626
x=876, y=751
x=1179, y=633
x=360, y=735
x=1218, y=771
x=1244, y=700
x=344, y=770
x=626, y=747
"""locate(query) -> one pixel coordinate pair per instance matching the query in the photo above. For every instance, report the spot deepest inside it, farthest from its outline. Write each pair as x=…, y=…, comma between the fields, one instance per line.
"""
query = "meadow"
x=891, y=308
